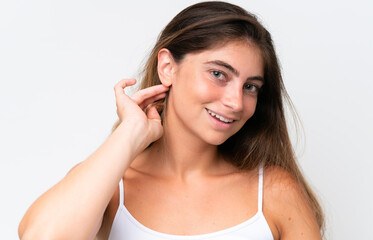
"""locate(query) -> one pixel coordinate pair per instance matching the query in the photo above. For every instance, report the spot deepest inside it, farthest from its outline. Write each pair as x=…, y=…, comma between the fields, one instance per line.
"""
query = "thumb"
x=156, y=129
x=155, y=123
x=152, y=113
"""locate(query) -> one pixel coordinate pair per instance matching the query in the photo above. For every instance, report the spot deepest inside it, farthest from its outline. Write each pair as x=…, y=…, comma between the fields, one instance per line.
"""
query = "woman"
x=201, y=152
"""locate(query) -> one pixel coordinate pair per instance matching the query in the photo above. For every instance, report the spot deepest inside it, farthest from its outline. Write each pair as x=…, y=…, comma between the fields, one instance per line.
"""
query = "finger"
x=119, y=89
x=148, y=101
x=152, y=113
x=140, y=96
x=155, y=123
x=156, y=129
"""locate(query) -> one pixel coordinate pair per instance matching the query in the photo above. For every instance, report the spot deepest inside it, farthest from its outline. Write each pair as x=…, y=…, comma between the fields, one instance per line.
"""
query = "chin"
x=217, y=140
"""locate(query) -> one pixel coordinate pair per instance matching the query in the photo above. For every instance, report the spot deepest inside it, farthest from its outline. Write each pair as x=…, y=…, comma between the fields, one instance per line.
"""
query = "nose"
x=233, y=98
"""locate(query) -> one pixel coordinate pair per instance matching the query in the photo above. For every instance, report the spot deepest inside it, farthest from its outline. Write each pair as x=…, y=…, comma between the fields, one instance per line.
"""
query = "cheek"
x=207, y=89
x=249, y=107
x=198, y=88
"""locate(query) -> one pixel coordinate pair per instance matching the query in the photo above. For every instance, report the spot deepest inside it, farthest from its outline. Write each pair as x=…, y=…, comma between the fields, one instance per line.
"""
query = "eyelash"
x=247, y=86
x=216, y=73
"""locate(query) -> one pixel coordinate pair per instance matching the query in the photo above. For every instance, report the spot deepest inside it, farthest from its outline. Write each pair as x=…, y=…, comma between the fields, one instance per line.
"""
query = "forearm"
x=72, y=209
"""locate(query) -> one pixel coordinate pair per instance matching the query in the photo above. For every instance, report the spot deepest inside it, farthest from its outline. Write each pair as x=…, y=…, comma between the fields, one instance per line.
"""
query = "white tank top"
x=126, y=227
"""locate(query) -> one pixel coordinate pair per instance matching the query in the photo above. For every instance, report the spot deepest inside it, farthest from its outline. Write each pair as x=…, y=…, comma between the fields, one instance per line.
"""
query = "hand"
x=137, y=112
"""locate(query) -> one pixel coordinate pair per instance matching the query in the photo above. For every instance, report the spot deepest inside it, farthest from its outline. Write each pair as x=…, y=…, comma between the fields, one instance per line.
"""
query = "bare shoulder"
x=286, y=206
x=277, y=180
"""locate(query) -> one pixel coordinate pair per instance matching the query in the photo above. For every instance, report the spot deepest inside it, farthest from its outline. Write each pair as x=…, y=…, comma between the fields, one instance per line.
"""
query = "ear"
x=166, y=67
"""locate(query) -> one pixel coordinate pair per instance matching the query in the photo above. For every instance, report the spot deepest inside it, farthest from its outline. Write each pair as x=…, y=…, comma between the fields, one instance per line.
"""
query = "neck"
x=182, y=155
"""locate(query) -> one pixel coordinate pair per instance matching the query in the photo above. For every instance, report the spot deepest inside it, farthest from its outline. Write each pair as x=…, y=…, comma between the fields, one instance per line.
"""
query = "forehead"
x=244, y=56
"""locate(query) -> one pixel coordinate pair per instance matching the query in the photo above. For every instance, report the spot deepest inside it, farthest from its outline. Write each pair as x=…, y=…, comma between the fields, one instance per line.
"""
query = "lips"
x=219, y=117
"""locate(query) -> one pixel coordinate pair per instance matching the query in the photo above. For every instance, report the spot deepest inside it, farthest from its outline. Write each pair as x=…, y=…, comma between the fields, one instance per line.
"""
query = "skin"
x=183, y=162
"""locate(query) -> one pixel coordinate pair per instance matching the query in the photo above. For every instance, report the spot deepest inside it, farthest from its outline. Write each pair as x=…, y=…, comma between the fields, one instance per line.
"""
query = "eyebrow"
x=233, y=70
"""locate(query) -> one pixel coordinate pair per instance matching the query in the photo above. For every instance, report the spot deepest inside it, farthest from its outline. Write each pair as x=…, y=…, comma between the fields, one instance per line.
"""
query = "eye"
x=251, y=88
x=217, y=74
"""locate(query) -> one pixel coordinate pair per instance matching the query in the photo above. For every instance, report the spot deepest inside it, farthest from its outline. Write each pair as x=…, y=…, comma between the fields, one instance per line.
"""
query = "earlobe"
x=165, y=66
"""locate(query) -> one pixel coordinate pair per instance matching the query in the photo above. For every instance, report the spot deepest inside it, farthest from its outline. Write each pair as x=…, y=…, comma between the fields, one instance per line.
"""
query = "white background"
x=59, y=61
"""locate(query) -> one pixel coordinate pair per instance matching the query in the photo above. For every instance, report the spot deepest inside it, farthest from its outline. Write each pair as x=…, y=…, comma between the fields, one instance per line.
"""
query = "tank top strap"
x=121, y=193
x=260, y=189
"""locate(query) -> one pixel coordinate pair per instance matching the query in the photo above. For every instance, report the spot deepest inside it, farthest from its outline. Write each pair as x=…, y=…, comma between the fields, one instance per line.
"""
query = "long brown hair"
x=264, y=138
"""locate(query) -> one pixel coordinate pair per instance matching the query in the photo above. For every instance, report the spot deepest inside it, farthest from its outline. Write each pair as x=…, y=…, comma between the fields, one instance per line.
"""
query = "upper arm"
x=29, y=228
x=288, y=206
x=108, y=217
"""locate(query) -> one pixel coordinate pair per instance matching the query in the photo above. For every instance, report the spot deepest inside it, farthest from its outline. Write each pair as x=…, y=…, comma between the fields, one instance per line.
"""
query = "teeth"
x=219, y=117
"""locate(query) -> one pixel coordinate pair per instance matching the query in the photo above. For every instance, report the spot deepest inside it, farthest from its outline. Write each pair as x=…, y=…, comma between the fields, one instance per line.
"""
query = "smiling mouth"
x=220, y=118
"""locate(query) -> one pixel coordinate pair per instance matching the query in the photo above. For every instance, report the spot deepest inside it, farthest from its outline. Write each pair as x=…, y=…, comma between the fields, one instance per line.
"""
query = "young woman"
x=200, y=152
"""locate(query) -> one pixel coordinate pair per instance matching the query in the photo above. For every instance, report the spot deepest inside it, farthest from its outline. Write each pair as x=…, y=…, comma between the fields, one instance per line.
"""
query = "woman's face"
x=214, y=92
